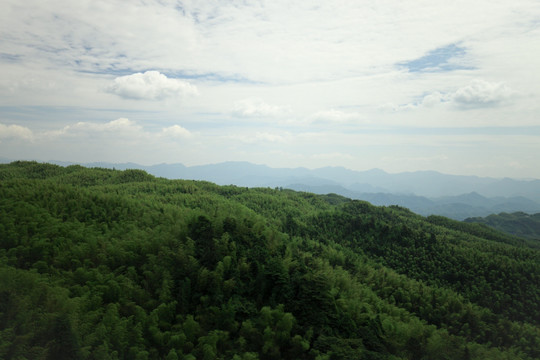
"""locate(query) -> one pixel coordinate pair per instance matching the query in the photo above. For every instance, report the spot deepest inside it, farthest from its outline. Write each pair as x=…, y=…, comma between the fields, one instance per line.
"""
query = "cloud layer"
x=269, y=41
x=118, y=129
x=277, y=82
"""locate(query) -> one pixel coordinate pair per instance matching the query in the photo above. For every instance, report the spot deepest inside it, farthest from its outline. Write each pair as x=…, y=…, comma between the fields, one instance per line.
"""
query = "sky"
x=450, y=86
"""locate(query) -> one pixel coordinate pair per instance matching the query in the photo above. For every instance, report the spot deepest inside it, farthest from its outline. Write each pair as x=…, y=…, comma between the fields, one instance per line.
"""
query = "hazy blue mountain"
x=413, y=202
x=324, y=189
x=493, y=204
x=511, y=187
x=456, y=207
x=367, y=188
x=461, y=206
x=424, y=192
x=472, y=199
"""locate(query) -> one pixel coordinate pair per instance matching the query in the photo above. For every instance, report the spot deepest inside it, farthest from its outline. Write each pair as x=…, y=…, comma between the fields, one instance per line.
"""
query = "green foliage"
x=518, y=224
x=104, y=264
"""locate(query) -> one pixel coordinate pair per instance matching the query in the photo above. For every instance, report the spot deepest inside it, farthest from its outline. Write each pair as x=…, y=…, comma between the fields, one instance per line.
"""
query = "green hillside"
x=518, y=224
x=105, y=264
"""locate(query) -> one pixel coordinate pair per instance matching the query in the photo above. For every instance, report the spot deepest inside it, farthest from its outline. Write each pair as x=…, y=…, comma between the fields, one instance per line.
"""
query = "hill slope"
x=430, y=184
x=518, y=223
x=104, y=264
x=424, y=192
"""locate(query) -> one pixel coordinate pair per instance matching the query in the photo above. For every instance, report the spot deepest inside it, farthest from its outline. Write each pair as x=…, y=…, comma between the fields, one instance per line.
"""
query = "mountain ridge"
x=517, y=223
x=424, y=192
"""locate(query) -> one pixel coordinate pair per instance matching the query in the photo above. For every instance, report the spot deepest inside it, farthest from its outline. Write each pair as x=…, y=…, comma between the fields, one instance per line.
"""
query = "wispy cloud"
x=334, y=116
x=275, y=41
x=9, y=57
x=256, y=107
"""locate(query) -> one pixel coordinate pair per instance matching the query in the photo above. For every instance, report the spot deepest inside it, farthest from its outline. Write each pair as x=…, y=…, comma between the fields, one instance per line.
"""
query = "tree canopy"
x=106, y=264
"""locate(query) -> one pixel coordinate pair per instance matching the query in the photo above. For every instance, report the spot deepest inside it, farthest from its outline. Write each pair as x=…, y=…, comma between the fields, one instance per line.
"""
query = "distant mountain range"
x=424, y=192
x=457, y=207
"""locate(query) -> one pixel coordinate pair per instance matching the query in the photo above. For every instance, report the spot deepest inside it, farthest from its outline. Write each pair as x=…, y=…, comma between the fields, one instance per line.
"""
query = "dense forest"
x=106, y=264
x=518, y=223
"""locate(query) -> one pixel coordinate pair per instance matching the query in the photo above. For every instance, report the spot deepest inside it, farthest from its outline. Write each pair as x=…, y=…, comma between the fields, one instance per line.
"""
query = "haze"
x=401, y=86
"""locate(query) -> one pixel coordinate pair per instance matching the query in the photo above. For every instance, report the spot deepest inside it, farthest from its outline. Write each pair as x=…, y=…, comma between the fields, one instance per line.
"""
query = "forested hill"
x=105, y=264
x=517, y=223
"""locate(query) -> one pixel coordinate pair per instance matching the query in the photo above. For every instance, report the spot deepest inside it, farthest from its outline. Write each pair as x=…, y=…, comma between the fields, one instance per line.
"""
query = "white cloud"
x=337, y=117
x=118, y=127
x=476, y=94
x=433, y=99
x=428, y=101
x=176, y=131
x=121, y=129
x=119, y=140
x=15, y=132
x=482, y=93
x=256, y=107
x=151, y=85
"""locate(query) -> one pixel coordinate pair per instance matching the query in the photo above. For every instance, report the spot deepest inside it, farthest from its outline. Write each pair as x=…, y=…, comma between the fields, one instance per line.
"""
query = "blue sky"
x=401, y=86
x=446, y=58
